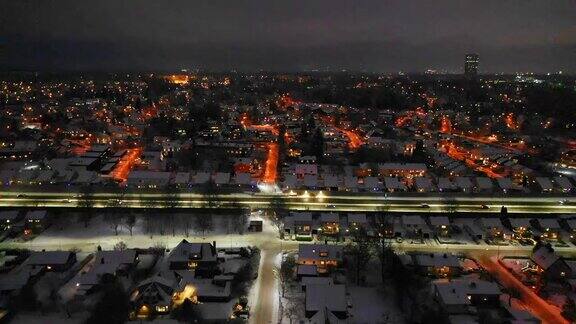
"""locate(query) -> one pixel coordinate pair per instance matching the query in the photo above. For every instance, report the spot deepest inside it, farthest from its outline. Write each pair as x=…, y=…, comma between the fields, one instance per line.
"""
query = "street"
x=341, y=202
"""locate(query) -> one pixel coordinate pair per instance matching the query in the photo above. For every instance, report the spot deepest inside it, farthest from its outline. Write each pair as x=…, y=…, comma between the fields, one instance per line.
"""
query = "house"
x=423, y=184
x=392, y=184
x=564, y=184
x=330, y=223
x=310, y=181
x=464, y=184
x=148, y=179
x=446, y=185
x=152, y=296
x=8, y=219
x=492, y=227
x=438, y=265
x=351, y=183
x=545, y=184
x=384, y=226
x=36, y=221
x=357, y=221
x=301, y=223
x=372, y=184
x=405, y=170
x=458, y=296
x=549, y=262
x=221, y=178
x=549, y=228
x=255, y=226
x=520, y=227
x=325, y=303
x=507, y=185
x=484, y=184
x=243, y=179
x=331, y=182
x=182, y=179
x=201, y=178
x=301, y=169
x=118, y=263
x=415, y=226
x=200, y=257
x=57, y=261
x=323, y=256
x=440, y=225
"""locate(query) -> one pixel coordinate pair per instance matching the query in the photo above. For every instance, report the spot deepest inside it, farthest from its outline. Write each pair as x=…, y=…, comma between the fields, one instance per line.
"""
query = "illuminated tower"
x=471, y=65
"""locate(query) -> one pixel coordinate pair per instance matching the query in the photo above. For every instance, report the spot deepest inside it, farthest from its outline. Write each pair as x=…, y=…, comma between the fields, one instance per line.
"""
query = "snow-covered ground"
x=74, y=235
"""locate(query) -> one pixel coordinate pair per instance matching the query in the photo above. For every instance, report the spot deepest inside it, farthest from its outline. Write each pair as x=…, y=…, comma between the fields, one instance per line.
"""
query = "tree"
x=86, y=202
x=569, y=309
x=187, y=312
x=318, y=144
x=450, y=205
x=113, y=220
x=186, y=222
x=204, y=222
x=130, y=221
x=512, y=293
x=120, y=246
x=27, y=299
x=361, y=249
x=210, y=196
x=114, y=304
x=286, y=271
x=148, y=205
x=171, y=202
x=386, y=255
x=239, y=216
x=278, y=207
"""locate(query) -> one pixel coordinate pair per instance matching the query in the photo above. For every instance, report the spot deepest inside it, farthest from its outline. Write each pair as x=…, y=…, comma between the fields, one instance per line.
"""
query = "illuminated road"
x=326, y=202
x=271, y=165
x=546, y=312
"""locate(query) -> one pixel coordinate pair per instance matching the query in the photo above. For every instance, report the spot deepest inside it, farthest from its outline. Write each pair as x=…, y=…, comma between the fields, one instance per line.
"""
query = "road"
x=341, y=202
x=546, y=312
x=263, y=300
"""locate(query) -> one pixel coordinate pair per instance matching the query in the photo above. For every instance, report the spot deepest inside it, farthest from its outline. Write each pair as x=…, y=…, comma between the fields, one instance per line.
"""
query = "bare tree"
x=86, y=202
x=278, y=207
x=130, y=221
x=286, y=272
x=186, y=222
x=361, y=249
x=211, y=202
x=239, y=217
x=171, y=203
x=113, y=220
x=148, y=205
x=204, y=222
x=120, y=246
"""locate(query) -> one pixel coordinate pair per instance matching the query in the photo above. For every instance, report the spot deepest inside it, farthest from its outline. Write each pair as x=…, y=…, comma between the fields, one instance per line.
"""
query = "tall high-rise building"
x=471, y=65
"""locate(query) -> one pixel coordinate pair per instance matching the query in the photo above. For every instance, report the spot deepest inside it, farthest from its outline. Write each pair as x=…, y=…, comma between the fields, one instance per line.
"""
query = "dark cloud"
x=371, y=35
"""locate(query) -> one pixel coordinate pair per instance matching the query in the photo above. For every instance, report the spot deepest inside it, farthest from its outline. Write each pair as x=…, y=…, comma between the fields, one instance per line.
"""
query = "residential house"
x=549, y=262
x=323, y=256
x=57, y=261
x=200, y=257
x=440, y=225
x=330, y=223
x=438, y=265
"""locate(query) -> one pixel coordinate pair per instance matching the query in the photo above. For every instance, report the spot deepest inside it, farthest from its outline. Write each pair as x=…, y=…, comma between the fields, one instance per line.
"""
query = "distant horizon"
x=374, y=36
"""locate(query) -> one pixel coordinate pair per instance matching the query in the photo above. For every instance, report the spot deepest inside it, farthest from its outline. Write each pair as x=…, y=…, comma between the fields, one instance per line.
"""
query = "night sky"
x=277, y=35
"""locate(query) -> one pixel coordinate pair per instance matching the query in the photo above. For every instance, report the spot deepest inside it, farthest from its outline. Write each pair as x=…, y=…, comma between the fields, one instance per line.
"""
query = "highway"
x=317, y=201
